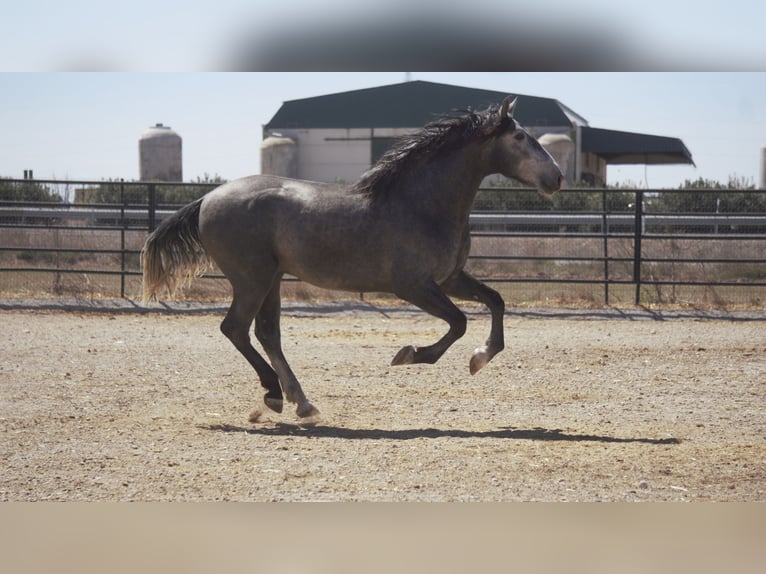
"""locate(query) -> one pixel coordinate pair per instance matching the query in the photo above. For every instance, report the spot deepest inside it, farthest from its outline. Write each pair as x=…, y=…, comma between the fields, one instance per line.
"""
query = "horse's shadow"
x=321, y=431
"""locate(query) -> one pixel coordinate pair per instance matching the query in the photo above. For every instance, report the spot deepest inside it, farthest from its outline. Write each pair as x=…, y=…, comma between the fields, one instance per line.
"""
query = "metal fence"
x=600, y=246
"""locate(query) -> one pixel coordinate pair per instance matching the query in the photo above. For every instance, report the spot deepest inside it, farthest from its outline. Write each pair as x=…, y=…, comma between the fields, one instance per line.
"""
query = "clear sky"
x=87, y=125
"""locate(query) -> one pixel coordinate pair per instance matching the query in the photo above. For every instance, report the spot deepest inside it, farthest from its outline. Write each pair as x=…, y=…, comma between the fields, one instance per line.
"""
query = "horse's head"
x=516, y=154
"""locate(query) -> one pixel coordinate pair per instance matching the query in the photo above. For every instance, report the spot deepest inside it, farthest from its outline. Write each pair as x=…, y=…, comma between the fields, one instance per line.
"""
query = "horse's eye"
x=519, y=136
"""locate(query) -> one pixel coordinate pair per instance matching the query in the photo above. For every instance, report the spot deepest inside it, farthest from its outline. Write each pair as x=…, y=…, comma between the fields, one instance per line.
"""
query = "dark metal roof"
x=413, y=104
x=631, y=148
x=410, y=104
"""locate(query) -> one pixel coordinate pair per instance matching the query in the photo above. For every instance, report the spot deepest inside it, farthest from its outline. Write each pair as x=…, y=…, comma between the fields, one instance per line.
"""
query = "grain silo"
x=159, y=155
x=562, y=148
x=279, y=156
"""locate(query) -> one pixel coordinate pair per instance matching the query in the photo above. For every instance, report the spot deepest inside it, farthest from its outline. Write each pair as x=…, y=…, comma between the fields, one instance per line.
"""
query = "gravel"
x=119, y=401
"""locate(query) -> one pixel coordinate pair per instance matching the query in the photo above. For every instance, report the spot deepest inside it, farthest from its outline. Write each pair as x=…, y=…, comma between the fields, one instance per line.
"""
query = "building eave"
x=618, y=147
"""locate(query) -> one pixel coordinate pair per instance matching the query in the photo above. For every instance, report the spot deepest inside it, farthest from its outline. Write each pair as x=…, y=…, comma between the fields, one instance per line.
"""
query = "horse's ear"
x=507, y=107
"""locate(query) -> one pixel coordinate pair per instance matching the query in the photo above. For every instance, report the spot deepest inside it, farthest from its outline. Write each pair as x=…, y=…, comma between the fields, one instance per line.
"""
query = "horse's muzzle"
x=549, y=192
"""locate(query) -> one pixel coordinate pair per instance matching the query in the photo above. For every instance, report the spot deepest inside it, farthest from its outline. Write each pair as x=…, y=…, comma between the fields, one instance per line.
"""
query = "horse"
x=402, y=228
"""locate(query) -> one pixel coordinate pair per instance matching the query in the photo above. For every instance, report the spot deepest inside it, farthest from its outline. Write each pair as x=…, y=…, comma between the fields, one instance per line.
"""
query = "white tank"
x=160, y=154
x=279, y=156
x=562, y=148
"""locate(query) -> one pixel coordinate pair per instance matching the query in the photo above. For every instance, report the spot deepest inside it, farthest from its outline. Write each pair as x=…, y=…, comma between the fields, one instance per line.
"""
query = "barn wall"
x=336, y=154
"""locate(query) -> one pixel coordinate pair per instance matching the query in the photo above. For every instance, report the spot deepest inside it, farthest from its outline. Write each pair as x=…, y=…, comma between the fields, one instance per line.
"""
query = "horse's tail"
x=173, y=253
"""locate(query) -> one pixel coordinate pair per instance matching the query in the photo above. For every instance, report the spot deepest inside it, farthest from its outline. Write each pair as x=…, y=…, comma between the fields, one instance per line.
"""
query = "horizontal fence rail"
x=140, y=217
x=604, y=245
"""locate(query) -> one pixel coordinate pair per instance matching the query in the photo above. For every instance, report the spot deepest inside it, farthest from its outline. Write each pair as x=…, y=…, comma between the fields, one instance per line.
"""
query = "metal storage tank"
x=159, y=154
x=562, y=148
x=279, y=156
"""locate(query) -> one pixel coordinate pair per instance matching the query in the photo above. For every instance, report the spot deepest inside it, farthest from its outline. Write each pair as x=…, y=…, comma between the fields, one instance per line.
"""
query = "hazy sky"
x=180, y=35
x=86, y=126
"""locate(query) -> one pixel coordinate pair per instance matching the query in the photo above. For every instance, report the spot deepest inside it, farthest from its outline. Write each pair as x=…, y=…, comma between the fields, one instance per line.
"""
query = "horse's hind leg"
x=236, y=327
x=269, y=334
x=466, y=287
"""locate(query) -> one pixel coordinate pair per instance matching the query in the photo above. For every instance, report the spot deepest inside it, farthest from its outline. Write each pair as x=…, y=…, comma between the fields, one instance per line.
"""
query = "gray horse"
x=402, y=229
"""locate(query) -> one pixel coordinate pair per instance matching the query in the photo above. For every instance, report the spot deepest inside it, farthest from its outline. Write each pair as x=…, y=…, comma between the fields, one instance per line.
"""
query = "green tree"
x=510, y=195
x=27, y=190
x=711, y=196
x=183, y=194
x=137, y=193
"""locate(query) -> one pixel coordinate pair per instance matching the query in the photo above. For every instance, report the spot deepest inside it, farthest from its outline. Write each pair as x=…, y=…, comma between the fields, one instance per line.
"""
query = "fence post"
x=152, y=207
x=637, y=235
x=605, y=232
x=122, y=238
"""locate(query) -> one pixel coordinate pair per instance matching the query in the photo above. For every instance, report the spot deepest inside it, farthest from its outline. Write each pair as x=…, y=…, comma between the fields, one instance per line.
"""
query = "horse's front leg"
x=464, y=286
x=429, y=296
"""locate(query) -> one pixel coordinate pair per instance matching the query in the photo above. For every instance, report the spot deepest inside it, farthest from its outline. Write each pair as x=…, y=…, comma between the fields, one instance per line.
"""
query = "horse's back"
x=294, y=222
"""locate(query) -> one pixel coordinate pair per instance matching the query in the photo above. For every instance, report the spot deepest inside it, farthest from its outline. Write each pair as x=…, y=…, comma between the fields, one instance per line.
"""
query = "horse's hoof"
x=275, y=405
x=480, y=358
x=405, y=356
x=306, y=409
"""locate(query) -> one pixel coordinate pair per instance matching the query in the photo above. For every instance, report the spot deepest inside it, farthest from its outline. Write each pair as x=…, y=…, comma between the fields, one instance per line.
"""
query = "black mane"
x=445, y=133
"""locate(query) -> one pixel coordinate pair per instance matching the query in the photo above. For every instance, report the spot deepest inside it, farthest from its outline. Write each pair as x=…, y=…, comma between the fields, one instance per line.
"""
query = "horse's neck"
x=446, y=186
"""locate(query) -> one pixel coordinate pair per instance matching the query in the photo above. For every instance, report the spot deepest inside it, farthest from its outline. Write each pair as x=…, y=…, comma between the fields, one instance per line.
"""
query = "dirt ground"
x=584, y=406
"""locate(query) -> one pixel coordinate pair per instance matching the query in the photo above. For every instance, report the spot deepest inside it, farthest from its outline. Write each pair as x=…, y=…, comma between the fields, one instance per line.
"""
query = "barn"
x=336, y=137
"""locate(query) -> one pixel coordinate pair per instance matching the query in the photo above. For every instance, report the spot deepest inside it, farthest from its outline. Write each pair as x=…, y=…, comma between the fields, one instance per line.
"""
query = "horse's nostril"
x=561, y=181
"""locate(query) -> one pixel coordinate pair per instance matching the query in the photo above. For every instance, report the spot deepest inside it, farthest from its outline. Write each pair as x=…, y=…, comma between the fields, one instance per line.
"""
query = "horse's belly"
x=364, y=266
x=341, y=273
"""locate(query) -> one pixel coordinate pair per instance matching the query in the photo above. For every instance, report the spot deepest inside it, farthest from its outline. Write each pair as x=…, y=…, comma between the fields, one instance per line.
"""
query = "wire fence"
x=587, y=246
